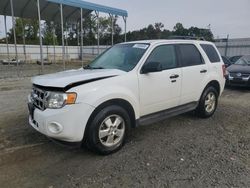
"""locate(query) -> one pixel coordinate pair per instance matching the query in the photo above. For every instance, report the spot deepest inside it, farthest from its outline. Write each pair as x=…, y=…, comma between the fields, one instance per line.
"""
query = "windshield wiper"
x=89, y=67
x=97, y=67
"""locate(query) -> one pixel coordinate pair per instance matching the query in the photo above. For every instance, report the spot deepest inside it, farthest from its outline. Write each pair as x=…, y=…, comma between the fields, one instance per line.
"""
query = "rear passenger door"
x=194, y=72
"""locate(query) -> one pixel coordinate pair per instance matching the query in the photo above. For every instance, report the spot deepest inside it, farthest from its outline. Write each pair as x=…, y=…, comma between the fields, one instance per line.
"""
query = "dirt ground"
x=32, y=69
x=183, y=151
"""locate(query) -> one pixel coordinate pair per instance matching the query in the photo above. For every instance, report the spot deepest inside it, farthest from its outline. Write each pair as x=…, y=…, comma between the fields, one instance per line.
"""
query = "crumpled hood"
x=239, y=69
x=67, y=78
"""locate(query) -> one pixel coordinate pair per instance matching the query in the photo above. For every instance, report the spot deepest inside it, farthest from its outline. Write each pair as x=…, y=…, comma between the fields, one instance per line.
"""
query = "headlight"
x=57, y=100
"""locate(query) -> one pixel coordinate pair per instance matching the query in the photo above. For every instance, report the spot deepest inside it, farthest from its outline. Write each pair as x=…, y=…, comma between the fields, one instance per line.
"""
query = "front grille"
x=38, y=98
x=236, y=75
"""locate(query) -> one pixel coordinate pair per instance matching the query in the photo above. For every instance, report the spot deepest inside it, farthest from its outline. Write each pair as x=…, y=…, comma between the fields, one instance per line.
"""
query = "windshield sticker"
x=142, y=46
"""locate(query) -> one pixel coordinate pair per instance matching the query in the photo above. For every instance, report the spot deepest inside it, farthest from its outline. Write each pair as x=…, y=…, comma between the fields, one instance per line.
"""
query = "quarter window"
x=190, y=55
x=165, y=55
x=211, y=53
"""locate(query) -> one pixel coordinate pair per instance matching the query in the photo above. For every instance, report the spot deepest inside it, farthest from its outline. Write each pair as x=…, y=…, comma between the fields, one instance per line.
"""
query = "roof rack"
x=187, y=38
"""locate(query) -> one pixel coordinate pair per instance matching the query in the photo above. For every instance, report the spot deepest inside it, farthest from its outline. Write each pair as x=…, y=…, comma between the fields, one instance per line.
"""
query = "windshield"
x=121, y=56
x=245, y=60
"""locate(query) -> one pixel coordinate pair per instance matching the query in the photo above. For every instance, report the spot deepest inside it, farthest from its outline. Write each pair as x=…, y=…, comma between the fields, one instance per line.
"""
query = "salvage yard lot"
x=183, y=151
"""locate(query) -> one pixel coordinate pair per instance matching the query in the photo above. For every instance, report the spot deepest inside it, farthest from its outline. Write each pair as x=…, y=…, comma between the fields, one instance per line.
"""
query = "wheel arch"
x=200, y=110
x=119, y=102
x=215, y=84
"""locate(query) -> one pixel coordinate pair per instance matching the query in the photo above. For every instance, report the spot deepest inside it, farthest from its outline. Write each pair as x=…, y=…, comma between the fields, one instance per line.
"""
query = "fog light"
x=55, y=128
x=246, y=78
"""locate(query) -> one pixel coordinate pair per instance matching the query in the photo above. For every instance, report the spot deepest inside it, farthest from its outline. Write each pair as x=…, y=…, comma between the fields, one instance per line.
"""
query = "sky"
x=224, y=16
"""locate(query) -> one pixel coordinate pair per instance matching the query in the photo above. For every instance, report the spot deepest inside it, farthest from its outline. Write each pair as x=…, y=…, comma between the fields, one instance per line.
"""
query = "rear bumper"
x=65, y=124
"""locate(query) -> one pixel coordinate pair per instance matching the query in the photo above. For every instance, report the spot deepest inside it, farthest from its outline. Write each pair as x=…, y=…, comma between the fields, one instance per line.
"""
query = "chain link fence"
x=29, y=64
x=29, y=57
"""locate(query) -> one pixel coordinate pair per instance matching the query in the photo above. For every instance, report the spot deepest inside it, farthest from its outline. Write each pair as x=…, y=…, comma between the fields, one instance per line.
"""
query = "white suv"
x=130, y=84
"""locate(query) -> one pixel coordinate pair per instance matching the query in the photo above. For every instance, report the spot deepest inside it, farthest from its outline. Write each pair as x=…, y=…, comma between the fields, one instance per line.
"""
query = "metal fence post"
x=62, y=28
x=14, y=32
x=54, y=42
x=7, y=40
x=226, y=46
x=66, y=40
x=125, y=23
x=24, y=43
x=40, y=35
x=112, y=29
x=98, y=32
x=81, y=49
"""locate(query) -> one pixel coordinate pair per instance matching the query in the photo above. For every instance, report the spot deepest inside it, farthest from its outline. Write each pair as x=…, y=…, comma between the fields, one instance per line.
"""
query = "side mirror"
x=151, y=67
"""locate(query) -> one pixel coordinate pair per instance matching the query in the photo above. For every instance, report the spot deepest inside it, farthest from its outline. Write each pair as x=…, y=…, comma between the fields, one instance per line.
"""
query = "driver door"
x=160, y=90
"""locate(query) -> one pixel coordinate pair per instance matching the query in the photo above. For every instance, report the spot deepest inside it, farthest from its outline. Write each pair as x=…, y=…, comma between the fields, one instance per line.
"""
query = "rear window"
x=211, y=53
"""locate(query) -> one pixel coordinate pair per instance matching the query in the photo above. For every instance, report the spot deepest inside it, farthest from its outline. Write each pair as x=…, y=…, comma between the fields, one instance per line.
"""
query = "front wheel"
x=208, y=103
x=108, y=129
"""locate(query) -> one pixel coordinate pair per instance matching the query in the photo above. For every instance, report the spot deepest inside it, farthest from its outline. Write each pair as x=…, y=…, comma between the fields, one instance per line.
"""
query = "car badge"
x=238, y=74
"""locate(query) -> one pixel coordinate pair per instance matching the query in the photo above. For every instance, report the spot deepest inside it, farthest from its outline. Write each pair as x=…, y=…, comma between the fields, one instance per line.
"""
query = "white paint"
x=147, y=93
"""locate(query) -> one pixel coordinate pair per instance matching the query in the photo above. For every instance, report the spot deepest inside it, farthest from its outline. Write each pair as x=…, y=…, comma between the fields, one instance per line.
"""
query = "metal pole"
x=98, y=32
x=63, y=49
x=7, y=40
x=40, y=35
x=66, y=38
x=78, y=34
x=54, y=42
x=14, y=32
x=112, y=29
x=125, y=34
x=81, y=49
x=24, y=43
x=78, y=39
x=226, y=45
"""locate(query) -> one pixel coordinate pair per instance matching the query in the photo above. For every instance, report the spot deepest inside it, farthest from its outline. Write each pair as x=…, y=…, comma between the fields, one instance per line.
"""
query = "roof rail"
x=187, y=38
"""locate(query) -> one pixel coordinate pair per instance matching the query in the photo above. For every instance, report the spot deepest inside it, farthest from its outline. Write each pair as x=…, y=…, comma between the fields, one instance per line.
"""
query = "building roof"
x=50, y=10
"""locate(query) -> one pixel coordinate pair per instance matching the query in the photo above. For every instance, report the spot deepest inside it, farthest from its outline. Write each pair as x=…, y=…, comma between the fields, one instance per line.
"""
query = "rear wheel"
x=208, y=103
x=107, y=131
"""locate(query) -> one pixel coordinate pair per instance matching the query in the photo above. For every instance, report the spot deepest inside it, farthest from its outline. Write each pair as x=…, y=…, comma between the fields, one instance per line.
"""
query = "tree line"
x=52, y=34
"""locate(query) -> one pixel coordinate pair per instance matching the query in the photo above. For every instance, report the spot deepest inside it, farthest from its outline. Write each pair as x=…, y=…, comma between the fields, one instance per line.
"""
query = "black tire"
x=92, y=132
x=202, y=110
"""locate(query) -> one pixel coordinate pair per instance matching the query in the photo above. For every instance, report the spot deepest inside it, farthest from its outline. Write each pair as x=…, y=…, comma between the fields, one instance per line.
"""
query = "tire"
x=107, y=131
x=208, y=103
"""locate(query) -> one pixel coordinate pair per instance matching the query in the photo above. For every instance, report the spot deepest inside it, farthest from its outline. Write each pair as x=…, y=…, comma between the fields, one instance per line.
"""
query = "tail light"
x=224, y=70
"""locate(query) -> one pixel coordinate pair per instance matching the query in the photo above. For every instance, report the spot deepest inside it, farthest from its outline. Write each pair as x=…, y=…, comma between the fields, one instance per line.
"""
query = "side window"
x=190, y=55
x=211, y=53
x=165, y=55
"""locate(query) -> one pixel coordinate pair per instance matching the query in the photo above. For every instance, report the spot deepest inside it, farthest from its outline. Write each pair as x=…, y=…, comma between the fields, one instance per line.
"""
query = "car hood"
x=72, y=77
x=239, y=69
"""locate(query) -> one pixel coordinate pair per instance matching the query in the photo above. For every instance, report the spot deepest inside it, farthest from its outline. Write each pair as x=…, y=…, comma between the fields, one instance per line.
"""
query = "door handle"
x=174, y=76
x=203, y=71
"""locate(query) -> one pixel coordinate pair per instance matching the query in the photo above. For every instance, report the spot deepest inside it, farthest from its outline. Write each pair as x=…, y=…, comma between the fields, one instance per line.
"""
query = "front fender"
x=99, y=92
x=109, y=93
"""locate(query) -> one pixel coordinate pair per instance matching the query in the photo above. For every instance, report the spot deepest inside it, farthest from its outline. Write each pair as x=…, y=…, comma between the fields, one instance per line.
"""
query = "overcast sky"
x=225, y=16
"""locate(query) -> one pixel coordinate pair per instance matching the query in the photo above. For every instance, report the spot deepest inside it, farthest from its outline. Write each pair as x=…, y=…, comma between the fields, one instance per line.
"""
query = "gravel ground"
x=183, y=151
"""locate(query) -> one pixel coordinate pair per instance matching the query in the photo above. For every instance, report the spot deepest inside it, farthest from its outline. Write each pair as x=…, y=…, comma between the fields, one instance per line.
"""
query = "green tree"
x=19, y=32
x=158, y=29
x=179, y=30
x=152, y=31
x=32, y=30
x=48, y=33
x=202, y=33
